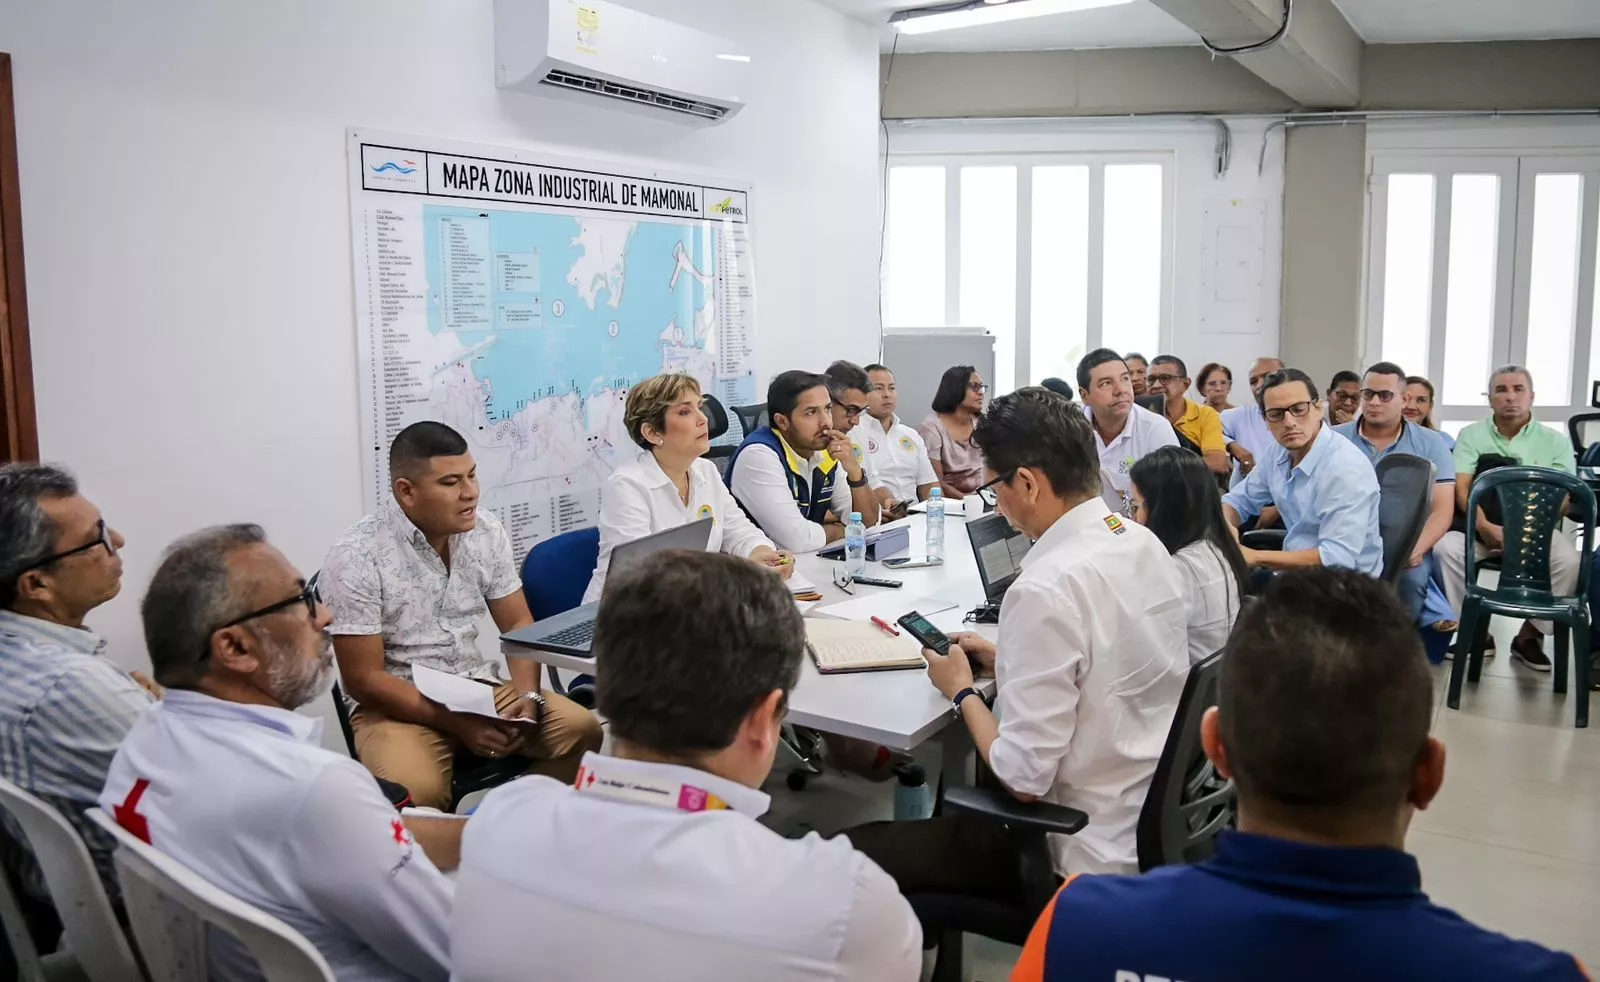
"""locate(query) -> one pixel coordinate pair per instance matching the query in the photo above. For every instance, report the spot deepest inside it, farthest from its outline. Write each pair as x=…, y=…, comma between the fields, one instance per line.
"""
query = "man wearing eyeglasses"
x=227, y=779
x=64, y=706
x=1382, y=429
x=408, y=586
x=1322, y=485
x=1198, y=424
x=849, y=389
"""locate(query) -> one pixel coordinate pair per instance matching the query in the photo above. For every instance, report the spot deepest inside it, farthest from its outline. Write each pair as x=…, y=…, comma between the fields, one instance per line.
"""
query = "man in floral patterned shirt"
x=408, y=586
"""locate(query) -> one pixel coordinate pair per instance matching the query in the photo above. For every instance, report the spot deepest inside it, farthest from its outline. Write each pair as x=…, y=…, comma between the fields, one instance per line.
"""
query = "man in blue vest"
x=799, y=479
x=1322, y=723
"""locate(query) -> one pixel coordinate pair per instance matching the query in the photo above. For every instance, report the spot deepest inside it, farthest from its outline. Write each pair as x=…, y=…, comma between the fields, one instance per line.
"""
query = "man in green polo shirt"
x=1510, y=432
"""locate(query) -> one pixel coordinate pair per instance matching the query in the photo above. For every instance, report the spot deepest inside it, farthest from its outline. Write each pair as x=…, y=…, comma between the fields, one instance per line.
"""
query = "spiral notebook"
x=858, y=646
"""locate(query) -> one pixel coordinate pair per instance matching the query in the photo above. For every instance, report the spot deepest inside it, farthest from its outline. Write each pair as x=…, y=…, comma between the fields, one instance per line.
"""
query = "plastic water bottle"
x=935, y=542
x=855, y=546
x=912, y=799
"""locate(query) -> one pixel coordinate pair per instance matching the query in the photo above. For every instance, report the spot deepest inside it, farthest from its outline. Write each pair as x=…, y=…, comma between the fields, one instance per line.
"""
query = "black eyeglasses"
x=1299, y=411
x=102, y=538
x=1162, y=379
x=310, y=596
x=849, y=410
x=979, y=387
x=987, y=492
x=1377, y=395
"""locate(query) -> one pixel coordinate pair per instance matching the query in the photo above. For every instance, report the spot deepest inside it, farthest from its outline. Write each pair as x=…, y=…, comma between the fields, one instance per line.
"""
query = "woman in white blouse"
x=1175, y=496
x=671, y=484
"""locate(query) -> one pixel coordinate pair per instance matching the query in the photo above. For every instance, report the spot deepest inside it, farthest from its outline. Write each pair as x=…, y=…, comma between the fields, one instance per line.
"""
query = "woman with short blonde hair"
x=671, y=483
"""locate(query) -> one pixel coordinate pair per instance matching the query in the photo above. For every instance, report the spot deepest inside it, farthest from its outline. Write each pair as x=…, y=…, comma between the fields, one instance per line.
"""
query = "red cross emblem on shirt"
x=127, y=813
x=402, y=837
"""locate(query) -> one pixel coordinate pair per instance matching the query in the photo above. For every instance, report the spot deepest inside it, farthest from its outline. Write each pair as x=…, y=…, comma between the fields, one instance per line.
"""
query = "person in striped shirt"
x=64, y=706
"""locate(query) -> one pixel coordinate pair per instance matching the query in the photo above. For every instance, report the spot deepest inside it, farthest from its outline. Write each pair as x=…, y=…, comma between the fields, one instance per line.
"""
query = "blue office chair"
x=554, y=576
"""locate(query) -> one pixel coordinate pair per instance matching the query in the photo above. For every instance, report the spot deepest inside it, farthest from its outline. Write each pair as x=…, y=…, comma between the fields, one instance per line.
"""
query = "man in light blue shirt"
x=1322, y=485
x=1381, y=430
x=64, y=706
x=1249, y=438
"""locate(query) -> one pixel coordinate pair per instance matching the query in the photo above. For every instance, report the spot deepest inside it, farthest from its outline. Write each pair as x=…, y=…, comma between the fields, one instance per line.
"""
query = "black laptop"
x=999, y=549
x=572, y=632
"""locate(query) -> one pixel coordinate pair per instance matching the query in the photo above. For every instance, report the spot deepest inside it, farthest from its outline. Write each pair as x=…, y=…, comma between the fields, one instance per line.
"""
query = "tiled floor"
x=1513, y=841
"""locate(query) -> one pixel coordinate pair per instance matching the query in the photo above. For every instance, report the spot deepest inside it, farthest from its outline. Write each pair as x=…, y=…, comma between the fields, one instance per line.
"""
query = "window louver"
x=632, y=93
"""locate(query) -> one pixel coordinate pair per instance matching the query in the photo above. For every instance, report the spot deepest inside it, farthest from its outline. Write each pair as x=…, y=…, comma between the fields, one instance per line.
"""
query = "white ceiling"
x=1142, y=24
x=1134, y=25
x=1405, y=21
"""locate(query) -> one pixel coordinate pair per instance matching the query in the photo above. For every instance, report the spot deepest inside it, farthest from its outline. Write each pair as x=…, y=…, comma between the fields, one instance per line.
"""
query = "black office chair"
x=717, y=426
x=1584, y=430
x=1187, y=806
x=751, y=418
x=1156, y=403
x=1405, y=488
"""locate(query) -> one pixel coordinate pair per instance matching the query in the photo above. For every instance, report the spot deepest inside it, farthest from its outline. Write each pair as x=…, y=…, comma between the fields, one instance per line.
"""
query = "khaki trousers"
x=423, y=759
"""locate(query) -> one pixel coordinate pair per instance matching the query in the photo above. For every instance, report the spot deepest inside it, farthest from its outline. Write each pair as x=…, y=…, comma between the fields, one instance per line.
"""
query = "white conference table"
x=898, y=709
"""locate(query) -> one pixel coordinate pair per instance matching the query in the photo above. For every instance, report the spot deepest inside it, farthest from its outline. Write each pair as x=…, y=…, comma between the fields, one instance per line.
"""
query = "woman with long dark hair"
x=1175, y=496
x=947, y=431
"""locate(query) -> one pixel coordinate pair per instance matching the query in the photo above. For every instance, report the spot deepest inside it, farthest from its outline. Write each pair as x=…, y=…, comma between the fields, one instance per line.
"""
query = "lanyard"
x=647, y=791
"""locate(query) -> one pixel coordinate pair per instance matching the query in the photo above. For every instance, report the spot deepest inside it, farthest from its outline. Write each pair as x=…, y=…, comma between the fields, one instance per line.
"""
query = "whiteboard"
x=919, y=356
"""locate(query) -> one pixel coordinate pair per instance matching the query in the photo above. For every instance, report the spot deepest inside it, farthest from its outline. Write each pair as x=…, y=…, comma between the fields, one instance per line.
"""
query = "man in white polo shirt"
x=1123, y=431
x=653, y=866
x=896, y=451
x=226, y=778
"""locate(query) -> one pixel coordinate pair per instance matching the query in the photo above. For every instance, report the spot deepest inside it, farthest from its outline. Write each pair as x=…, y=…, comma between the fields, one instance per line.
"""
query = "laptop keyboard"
x=573, y=636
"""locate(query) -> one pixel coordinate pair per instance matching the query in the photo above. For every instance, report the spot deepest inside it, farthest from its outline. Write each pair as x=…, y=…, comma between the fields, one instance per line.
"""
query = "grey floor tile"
x=1525, y=697
x=1518, y=893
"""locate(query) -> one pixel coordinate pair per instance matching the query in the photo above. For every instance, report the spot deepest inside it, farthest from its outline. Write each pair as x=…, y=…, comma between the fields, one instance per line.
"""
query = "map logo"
x=386, y=169
x=727, y=207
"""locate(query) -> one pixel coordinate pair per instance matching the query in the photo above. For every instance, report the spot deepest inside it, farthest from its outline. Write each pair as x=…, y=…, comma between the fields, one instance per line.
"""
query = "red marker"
x=886, y=627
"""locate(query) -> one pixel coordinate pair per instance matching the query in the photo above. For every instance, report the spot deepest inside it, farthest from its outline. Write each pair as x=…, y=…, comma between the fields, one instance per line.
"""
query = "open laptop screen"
x=999, y=549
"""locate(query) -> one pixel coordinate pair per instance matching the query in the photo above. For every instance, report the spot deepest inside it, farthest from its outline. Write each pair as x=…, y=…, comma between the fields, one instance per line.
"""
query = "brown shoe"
x=1530, y=651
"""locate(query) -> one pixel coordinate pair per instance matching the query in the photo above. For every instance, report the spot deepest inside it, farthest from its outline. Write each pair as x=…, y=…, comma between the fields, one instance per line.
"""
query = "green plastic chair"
x=1530, y=498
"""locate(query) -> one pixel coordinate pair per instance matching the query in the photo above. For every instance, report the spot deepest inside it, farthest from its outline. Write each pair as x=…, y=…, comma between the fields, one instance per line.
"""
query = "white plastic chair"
x=170, y=906
x=91, y=938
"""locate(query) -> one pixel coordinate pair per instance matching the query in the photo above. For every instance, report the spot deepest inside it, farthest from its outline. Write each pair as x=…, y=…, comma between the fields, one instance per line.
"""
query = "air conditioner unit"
x=591, y=49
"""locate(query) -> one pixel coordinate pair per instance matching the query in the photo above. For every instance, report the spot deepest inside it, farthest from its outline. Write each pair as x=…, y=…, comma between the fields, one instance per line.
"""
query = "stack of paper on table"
x=857, y=646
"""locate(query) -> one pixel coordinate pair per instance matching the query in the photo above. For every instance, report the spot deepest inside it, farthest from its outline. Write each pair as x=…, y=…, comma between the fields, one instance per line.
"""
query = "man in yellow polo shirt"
x=1199, y=424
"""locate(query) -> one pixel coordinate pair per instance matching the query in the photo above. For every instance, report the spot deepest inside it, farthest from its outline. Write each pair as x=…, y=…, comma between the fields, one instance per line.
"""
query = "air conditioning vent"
x=630, y=93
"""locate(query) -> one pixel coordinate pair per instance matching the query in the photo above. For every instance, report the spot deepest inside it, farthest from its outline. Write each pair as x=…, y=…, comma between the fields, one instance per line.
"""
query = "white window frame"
x=1024, y=164
x=1513, y=257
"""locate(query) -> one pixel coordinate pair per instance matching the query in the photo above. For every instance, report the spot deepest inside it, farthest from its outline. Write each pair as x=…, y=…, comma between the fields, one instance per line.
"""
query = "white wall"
x=1192, y=146
x=186, y=214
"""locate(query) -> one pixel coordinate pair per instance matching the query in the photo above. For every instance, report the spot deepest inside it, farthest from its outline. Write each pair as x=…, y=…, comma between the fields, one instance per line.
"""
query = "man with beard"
x=226, y=778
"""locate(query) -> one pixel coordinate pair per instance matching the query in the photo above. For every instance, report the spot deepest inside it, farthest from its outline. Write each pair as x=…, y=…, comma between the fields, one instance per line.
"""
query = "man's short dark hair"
x=1344, y=377
x=421, y=442
x=1035, y=428
x=875, y=367
x=1130, y=356
x=692, y=642
x=1183, y=370
x=193, y=593
x=1284, y=376
x=1093, y=360
x=786, y=388
x=27, y=532
x=1388, y=368
x=952, y=390
x=1325, y=700
x=1059, y=386
x=846, y=375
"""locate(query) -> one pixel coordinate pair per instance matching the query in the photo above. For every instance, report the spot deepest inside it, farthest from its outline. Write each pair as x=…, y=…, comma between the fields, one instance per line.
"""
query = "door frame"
x=18, y=422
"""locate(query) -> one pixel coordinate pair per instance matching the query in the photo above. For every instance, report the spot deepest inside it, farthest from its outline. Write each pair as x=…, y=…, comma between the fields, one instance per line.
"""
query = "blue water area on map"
x=574, y=351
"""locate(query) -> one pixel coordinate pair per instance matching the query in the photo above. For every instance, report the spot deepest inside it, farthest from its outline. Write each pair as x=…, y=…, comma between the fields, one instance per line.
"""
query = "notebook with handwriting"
x=857, y=646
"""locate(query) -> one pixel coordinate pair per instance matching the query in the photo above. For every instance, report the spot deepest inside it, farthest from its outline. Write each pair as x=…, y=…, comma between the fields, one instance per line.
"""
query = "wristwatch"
x=857, y=484
x=955, y=704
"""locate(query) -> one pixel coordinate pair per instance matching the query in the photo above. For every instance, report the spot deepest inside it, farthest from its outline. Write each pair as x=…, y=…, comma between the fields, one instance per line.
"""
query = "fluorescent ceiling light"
x=975, y=12
x=743, y=58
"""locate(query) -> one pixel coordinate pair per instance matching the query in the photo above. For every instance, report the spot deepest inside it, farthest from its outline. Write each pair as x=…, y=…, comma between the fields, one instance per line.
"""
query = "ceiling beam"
x=1317, y=64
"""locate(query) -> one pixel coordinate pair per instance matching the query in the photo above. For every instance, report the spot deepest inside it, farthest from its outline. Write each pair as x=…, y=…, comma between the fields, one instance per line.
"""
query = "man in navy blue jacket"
x=1322, y=723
